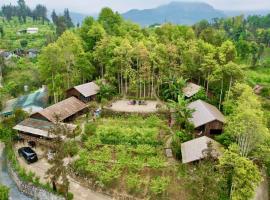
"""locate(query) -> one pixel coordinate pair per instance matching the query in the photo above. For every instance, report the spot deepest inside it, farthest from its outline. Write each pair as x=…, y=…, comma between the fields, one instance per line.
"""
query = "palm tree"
x=181, y=113
x=172, y=88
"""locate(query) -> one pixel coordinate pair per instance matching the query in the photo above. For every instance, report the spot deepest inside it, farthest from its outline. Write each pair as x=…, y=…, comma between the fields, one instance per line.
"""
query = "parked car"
x=29, y=154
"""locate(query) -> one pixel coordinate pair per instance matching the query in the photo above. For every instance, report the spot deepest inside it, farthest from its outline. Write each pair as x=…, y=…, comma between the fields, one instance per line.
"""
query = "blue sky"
x=93, y=6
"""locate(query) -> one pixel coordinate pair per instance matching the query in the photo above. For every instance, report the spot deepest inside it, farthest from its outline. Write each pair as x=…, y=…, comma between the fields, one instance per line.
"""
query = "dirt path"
x=168, y=145
x=262, y=190
x=81, y=193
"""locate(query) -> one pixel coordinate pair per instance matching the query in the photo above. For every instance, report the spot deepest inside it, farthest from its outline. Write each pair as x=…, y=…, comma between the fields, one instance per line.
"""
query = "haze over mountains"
x=174, y=12
x=186, y=13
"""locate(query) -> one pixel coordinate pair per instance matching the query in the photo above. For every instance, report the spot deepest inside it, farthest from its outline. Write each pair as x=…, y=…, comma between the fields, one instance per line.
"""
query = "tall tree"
x=40, y=12
x=246, y=123
x=54, y=17
x=243, y=176
x=110, y=21
x=61, y=25
x=68, y=19
x=58, y=173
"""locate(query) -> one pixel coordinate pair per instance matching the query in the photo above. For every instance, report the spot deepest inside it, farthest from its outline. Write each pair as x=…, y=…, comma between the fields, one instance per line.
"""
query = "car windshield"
x=28, y=151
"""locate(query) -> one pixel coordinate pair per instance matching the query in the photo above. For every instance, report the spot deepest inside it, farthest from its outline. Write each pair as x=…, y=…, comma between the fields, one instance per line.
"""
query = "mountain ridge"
x=175, y=12
x=189, y=14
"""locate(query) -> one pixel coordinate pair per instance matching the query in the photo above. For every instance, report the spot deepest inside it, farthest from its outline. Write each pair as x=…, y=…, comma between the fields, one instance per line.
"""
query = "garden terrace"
x=119, y=150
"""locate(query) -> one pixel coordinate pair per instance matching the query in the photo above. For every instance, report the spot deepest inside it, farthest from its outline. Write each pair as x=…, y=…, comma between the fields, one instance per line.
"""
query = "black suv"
x=29, y=154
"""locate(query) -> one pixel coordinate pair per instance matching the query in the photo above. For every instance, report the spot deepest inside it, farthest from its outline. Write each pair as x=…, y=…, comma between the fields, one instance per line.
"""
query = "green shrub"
x=71, y=148
x=159, y=185
x=178, y=138
x=183, y=137
x=90, y=129
x=110, y=175
x=70, y=196
x=134, y=183
x=4, y=192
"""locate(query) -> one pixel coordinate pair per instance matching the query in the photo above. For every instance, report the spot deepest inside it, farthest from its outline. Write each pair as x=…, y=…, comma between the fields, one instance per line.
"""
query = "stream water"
x=5, y=179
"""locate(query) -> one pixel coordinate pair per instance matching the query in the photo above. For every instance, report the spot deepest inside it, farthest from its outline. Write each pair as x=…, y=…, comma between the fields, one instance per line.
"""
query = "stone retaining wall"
x=30, y=189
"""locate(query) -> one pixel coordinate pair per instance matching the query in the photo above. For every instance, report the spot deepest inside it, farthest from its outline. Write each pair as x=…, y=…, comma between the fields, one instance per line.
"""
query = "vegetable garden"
x=127, y=155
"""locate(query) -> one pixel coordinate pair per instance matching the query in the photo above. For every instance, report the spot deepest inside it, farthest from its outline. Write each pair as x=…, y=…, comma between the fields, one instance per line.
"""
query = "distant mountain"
x=77, y=17
x=186, y=13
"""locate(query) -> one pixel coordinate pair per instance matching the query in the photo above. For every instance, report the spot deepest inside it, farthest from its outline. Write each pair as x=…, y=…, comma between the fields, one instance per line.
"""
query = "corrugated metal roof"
x=63, y=109
x=39, y=127
x=204, y=113
x=191, y=89
x=36, y=127
x=88, y=89
x=193, y=149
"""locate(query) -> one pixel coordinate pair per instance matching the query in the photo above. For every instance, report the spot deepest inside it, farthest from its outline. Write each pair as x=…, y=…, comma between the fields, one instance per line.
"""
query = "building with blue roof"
x=30, y=103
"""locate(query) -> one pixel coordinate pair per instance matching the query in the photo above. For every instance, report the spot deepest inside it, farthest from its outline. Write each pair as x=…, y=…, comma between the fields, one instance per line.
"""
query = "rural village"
x=108, y=109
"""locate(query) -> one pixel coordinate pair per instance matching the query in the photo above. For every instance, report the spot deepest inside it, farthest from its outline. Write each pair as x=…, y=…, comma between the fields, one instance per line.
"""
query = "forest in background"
x=227, y=56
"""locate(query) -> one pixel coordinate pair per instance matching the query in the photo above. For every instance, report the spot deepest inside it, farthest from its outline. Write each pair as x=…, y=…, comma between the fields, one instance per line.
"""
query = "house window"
x=215, y=131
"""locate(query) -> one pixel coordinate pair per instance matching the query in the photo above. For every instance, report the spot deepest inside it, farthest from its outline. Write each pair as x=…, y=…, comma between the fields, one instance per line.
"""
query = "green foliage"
x=11, y=40
x=71, y=148
x=201, y=95
x=204, y=181
x=181, y=113
x=4, y=192
x=90, y=129
x=133, y=131
x=246, y=123
x=171, y=89
x=6, y=134
x=135, y=147
x=244, y=176
x=134, y=183
x=23, y=43
x=178, y=138
x=159, y=185
x=106, y=92
x=61, y=59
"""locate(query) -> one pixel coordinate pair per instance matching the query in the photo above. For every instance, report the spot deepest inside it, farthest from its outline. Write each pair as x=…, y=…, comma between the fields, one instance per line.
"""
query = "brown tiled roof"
x=63, y=109
x=204, y=113
x=88, y=89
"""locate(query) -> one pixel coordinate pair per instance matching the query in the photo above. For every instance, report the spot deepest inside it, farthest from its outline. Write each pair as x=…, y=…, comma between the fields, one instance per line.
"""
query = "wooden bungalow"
x=206, y=118
x=38, y=130
x=85, y=92
x=65, y=111
x=197, y=149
